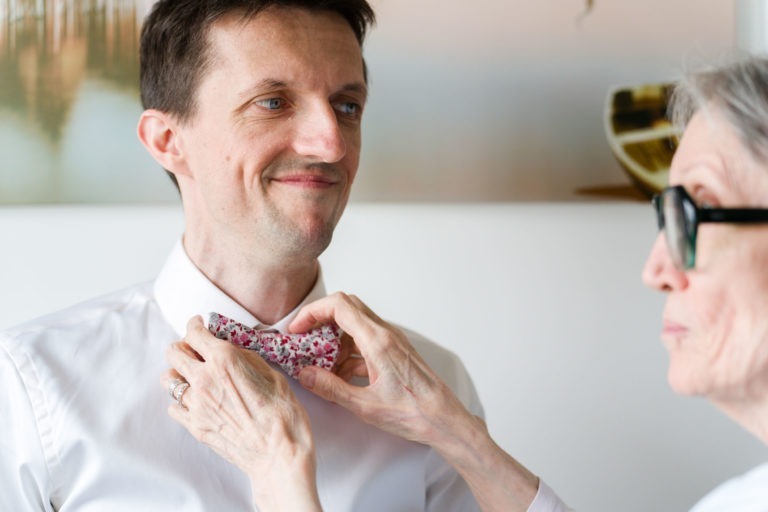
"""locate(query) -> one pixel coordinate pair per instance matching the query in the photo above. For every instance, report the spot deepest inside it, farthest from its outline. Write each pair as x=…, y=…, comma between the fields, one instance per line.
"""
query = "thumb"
x=327, y=385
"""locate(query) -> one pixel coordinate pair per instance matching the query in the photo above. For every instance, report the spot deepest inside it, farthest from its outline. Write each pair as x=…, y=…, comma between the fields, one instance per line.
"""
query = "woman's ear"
x=158, y=132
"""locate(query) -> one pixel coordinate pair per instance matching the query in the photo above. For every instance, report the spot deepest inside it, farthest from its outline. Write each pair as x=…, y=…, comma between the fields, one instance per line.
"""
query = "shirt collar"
x=182, y=291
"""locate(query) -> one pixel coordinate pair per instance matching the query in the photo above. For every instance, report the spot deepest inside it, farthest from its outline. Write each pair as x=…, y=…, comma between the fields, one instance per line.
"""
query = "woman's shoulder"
x=745, y=493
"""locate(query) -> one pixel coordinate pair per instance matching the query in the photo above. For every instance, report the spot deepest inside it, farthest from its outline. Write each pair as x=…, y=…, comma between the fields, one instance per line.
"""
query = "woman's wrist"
x=290, y=484
x=493, y=475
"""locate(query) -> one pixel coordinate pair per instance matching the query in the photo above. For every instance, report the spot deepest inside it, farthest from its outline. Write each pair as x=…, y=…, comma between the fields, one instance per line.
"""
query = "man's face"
x=273, y=146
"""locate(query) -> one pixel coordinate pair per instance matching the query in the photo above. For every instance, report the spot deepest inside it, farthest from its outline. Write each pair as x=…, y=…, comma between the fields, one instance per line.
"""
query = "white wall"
x=543, y=302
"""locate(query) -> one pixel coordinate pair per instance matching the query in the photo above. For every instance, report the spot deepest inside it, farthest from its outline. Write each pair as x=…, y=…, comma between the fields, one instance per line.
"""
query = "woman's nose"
x=659, y=271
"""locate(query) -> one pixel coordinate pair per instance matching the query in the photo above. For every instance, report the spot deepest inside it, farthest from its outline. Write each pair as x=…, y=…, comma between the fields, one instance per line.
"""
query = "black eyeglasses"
x=679, y=217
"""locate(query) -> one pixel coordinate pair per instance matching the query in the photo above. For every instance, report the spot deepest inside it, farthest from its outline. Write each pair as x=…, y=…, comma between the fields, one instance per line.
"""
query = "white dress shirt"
x=84, y=423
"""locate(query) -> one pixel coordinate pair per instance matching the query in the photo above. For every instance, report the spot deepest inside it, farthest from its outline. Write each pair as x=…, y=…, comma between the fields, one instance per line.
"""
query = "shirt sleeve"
x=547, y=501
x=24, y=481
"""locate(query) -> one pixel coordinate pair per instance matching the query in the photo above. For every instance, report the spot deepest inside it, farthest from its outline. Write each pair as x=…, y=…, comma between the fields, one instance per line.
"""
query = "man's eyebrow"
x=268, y=84
x=357, y=87
x=272, y=84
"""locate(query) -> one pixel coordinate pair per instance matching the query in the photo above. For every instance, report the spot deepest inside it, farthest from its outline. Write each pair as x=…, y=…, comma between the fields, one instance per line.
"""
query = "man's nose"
x=318, y=134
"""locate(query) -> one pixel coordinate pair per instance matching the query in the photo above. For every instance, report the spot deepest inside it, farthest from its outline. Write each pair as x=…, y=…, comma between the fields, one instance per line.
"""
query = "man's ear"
x=158, y=132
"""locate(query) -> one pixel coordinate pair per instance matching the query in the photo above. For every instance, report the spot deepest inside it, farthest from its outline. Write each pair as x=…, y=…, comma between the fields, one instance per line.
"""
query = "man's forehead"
x=274, y=46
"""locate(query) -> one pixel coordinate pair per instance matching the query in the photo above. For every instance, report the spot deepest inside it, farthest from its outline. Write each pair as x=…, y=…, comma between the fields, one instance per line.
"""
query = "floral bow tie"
x=292, y=352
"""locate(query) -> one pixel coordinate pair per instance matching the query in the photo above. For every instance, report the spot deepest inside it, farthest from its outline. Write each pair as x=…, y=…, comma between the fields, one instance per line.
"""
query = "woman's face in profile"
x=715, y=322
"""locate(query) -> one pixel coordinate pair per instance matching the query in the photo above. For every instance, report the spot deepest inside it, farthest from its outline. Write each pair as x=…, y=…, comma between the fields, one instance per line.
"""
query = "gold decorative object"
x=639, y=134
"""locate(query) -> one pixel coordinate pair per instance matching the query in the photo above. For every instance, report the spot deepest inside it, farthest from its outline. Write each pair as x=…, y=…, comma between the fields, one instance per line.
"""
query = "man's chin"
x=303, y=229
x=308, y=241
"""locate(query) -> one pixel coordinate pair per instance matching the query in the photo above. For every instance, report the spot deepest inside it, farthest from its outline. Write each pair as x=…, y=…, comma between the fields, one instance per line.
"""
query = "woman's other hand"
x=246, y=412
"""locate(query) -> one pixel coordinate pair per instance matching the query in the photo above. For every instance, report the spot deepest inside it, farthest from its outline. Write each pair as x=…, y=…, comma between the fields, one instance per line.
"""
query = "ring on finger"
x=178, y=393
x=172, y=385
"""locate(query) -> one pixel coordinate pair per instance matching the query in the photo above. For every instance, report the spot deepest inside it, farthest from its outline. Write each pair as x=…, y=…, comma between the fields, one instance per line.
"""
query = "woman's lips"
x=672, y=328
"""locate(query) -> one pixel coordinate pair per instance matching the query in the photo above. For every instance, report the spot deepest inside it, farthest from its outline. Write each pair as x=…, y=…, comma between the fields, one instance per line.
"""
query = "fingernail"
x=307, y=378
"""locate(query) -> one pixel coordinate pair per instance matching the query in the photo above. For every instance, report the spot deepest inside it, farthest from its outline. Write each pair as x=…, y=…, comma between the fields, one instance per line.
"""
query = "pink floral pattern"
x=292, y=352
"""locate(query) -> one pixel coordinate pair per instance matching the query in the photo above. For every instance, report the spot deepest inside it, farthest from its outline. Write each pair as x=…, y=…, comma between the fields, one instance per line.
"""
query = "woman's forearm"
x=497, y=480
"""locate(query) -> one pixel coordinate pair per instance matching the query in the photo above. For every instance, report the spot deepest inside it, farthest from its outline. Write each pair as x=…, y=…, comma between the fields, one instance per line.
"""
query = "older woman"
x=711, y=258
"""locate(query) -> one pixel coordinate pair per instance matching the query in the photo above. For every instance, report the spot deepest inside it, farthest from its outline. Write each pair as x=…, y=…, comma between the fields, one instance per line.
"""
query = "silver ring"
x=173, y=385
x=178, y=393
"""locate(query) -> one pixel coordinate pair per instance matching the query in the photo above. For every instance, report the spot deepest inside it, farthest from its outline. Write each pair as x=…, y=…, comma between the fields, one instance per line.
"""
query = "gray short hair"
x=739, y=90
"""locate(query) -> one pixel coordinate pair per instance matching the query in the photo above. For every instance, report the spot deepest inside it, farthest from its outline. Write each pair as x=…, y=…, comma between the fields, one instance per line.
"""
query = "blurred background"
x=494, y=100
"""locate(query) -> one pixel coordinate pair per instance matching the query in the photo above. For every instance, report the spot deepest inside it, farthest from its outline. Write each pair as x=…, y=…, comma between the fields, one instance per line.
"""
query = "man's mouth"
x=306, y=180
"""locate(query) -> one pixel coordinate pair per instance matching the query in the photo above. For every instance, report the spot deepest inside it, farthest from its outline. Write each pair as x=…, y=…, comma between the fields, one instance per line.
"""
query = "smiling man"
x=265, y=151
x=254, y=108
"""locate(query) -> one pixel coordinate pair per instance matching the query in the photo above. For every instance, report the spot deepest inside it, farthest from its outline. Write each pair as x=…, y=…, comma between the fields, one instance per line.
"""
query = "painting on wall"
x=69, y=103
x=501, y=100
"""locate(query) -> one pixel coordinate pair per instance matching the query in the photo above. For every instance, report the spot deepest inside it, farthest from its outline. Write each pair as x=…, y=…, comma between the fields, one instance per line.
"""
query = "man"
x=254, y=108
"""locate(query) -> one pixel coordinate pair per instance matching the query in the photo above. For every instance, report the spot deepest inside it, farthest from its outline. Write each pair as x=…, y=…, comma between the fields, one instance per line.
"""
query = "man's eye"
x=271, y=103
x=348, y=108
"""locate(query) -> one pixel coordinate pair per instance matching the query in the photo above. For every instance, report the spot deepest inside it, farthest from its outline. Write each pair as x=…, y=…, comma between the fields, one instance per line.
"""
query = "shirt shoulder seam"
x=28, y=375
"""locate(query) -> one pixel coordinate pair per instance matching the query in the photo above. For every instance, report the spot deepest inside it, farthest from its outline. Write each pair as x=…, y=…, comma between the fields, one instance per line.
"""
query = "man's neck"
x=269, y=291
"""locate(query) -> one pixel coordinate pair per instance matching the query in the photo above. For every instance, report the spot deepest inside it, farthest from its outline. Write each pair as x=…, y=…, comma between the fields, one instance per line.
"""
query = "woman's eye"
x=705, y=201
x=703, y=197
x=271, y=103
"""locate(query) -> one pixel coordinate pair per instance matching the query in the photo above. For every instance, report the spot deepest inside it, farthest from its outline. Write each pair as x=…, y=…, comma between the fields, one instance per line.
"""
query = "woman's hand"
x=404, y=396
x=246, y=412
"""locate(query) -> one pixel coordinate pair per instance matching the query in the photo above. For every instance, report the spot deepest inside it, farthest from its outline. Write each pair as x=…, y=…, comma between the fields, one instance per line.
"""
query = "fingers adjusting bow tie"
x=292, y=352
